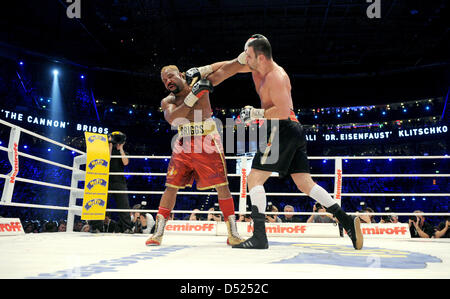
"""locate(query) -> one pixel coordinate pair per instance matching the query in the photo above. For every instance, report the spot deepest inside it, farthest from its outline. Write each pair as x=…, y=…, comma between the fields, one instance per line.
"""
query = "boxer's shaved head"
x=172, y=79
x=169, y=68
x=260, y=45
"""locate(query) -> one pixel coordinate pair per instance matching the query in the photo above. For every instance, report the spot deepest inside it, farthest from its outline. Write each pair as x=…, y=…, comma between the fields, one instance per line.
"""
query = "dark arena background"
x=369, y=79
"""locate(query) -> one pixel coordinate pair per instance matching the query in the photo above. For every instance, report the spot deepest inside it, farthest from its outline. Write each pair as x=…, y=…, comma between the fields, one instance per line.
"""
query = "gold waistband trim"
x=203, y=128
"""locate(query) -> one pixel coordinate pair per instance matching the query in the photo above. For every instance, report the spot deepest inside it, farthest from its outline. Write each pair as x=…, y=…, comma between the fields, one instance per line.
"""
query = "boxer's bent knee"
x=257, y=177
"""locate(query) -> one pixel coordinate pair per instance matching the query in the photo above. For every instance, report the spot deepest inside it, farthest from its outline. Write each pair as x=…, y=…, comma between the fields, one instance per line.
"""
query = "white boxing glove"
x=249, y=113
x=242, y=58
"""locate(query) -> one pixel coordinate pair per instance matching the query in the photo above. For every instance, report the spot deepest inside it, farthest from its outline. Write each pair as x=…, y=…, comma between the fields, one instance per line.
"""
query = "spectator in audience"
x=419, y=228
x=194, y=216
x=109, y=225
x=215, y=216
x=290, y=217
x=443, y=231
x=85, y=228
x=142, y=222
x=247, y=218
x=367, y=218
x=318, y=208
x=389, y=219
x=28, y=227
x=77, y=226
x=272, y=218
x=62, y=226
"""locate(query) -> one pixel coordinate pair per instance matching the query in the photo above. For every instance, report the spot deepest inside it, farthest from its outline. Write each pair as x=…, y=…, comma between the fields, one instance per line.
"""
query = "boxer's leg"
x=168, y=201
x=166, y=205
x=226, y=204
x=256, y=180
x=304, y=183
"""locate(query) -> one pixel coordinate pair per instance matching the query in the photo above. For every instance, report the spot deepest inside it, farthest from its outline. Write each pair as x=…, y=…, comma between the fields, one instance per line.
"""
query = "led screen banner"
x=97, y=177
x=34, y=122
x=376, y=135
x=361, y=133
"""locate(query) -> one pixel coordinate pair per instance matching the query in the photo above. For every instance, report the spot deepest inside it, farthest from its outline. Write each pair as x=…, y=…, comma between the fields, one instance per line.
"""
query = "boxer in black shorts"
x=274, y=89
x=292, y=157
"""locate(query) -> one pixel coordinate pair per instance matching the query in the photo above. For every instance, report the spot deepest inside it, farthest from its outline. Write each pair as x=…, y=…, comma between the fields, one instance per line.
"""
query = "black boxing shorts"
x=291, y=156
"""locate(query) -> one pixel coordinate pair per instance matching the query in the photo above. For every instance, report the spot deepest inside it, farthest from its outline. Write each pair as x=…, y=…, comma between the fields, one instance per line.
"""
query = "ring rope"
x=80, y=191
x=40, y=136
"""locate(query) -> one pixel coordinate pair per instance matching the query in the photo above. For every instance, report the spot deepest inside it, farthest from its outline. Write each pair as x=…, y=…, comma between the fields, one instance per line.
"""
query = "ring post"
x=338, y=179
x=78, y=175
x=13, y=156
x=243, y=186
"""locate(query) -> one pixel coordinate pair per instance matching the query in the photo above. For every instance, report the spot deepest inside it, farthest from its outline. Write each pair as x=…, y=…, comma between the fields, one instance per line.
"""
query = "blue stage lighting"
x=41, y=99
x=368, y=160
x=390, y=159
x=149, y=114
x=384, y=112
x=25, y=146
x=49, y=150
x=130, y=111
x=82, y=76
x=111, y=109
x=345, y=160
x=338, y=115
x=55, y=72
x=315, y=116
x=427, y=108
x=361, y=114
x=324, y=161
x=20, y=62
x=405, y=110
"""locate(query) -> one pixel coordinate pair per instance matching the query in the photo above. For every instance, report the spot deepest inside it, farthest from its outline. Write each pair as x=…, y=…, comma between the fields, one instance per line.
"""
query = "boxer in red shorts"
x=197, y=150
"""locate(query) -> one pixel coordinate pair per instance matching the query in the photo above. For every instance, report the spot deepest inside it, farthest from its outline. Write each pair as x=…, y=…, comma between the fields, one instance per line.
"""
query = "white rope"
x=428, y=175
x=310, y=158
x=40, y=183
x=78, y=208
x=40, y=136
x=215, y=193
x=39, y=159
x=28, y=205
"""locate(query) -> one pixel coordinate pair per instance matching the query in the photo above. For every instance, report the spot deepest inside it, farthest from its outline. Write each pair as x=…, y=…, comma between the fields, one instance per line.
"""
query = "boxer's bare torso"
x=175, y=111
x=274, y=90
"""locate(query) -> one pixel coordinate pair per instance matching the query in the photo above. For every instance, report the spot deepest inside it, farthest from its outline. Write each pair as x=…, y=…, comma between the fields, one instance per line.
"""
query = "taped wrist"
x=190, y=99
x=205, y=71
x=257, y=113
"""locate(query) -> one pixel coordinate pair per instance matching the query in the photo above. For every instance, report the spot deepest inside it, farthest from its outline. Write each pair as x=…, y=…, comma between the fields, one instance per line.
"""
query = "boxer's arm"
x=279, y=95
x=172, y=111
x=225, y=70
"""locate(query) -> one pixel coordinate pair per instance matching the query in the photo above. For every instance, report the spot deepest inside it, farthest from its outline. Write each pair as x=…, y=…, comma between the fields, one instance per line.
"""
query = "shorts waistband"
x=293, y=117
x=203, y=128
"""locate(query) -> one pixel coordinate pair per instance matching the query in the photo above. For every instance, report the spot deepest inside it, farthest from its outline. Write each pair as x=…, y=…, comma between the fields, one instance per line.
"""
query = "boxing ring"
x=206, y=256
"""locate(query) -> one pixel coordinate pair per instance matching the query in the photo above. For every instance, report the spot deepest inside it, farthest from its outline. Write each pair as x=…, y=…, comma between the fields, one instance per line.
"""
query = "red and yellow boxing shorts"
x=197, y=154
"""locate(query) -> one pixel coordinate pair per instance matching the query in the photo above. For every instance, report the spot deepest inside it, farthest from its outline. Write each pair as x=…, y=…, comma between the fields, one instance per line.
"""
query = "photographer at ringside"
x=443, y=230
x=143, y=223
x=117, y=182
x=419, y=228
